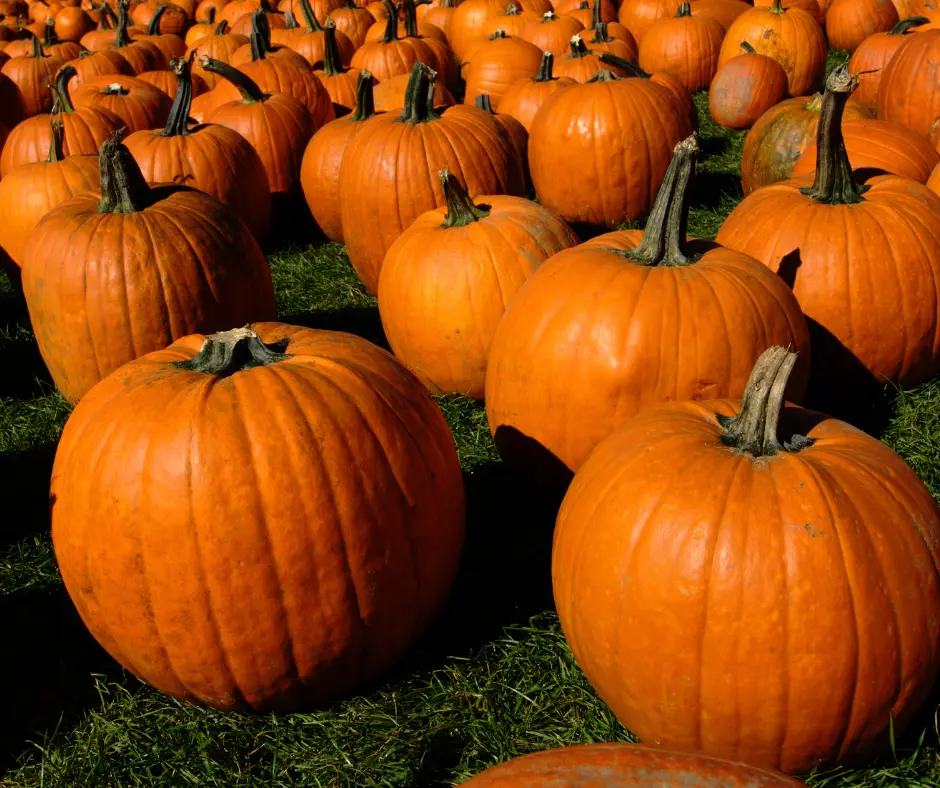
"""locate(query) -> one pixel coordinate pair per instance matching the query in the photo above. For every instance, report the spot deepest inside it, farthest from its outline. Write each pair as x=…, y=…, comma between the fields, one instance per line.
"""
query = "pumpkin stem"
x=176, y=124
x=549, y=16
x=228, y=352
x=625, y=65
x=391, y=24
x=906, y=24
x=210, y=17
x=60, y=88
x=748, y=48
x=483, y=102
x=310, y=19
x=754, y=429
x=220, y=28
x=600, y=34
x=153, y=28
x=57, y=130
x=677, y=221
x=596, y=14
x=260, y=38
x=123, y=188
x=115, y=89
x=460, y=208
x=365, y=100
x=419, y=95
x=49, y=36
x=684, y=10
x=104, y=21
x=498, y=35
x=777, y=7
x=834, y=183
x=578, y=49
x=332, y=66
x=545, y=68
x=250, y=92
x=411, y=18
x=290, y=21
x=37, y=48
x=122, y=39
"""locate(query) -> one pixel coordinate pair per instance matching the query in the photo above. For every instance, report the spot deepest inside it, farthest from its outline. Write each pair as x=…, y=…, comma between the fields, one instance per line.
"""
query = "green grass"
x=494, y=678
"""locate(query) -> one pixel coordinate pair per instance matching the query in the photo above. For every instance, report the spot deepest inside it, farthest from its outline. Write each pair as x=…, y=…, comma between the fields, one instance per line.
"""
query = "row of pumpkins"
x=267, y=517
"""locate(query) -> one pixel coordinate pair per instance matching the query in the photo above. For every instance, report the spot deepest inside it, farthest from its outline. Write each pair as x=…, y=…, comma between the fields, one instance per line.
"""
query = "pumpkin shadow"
x=362, y=321
x=24, y=491
x=25, y=374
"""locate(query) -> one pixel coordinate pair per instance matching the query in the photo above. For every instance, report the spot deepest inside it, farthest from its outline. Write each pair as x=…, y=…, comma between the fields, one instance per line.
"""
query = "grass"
x=492, y=680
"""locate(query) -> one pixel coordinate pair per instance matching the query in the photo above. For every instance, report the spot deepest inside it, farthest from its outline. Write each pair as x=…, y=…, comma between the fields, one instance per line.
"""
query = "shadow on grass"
x=24, y=484
x=26, y=374
x=361, y=321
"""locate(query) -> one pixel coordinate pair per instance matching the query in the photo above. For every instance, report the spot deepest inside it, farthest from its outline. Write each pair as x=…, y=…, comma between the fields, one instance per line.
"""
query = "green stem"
x=153, y=28
x=220, y=28
x=122, y=39
x=177, y=123
x=600, y=34
x=499, y=34
x=60, y=88
x=603, y=75
x=332, y=66
x=578, y=48
x=618, y=62
x=684, y=10
x=123, y=188
x=906, y=24
x=834, y=183
x=419, y=95
x=483, y=102
x=365, y=100
x=596, y=15
x=57, y=131
x=228, y=352
x=260, y=38
x=250, y=92
x=460, y=208
x=411, y=19
x=310, y=19
x=748, y=48
x=37, y=48
x=104, y=20
x=49, y=36
x=211, y=18
x=545, y=68
x=777, y=7
x=290, y=21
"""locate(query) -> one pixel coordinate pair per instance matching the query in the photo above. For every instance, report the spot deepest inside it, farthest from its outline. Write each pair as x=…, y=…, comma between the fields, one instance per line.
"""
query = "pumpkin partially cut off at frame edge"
x=288, y=577
x=751, y=581
x=624, y=321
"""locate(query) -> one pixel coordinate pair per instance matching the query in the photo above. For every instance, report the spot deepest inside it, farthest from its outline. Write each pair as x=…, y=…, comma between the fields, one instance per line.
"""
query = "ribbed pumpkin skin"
x=857, y=268
x=139, y=104
x=333, y=547
x=98, y=64
x=593, y=338
x=795, y=40
x=909, y=93
x=553, y=34
x=525, y=97
x=32, y=76
x=218, y=48
x=850, y=22
x=745, y=88
x=722, y=11
x=498, y=64
x=388, y=177
x=624, y=766
x=638, y=16
x=780, y=136
x=443, y=291
x=774, y=610
x=686, y=47
x=608, y=182
x=873, y=56
x=880, y=145
x=103, y=289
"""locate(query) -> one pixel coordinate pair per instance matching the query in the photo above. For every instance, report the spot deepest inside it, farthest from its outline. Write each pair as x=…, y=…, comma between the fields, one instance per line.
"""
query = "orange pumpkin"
x=612, y=39
x=348, y=563
x=626, y=320
x=498, y=63
x=582, y=64
x=513, y=22
x=201, y=29
x=552, y=33
x=685, y=46
x=392, y=56
x=219, y=46
x=744, y=88
x=260, y=46
x=32, y=74
x=850, y=22
x=447, y=279
x=352, y=22
x=311, y=41
x=139, y=104
x=95, y=64
x=72, y=23
x=339, y=82
x=638, y=16
x=722, y=11
x=909, y=93
x=872, y=56
x=390, y=95
x=812, y=7
x=524, y=97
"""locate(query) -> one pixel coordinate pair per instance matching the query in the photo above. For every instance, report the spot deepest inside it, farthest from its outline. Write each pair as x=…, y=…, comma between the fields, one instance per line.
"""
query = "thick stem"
x=512, y=10
x=578, y=49
x=411, y=18
x=684, y=10
x=834, y=183
x=545, y=68
x=248, y=88
x=260, y=38
x=123, y=188
x=115, y=89
x=122, y=39
x=220, y=28
x=332, y=66
x=603, y=75
x=906, y=24
x=210, y=19
x=460, y=208
x=625, y=65
x=37, y=48
x=60, y=88
x=290, y=21
x=228, y=352
x=600, y=34
x=748, y=48
x=104, y=21
x=678, y=219
x=483, y=102
x=49, y=36
x=365, y=100
x=176, y=125
x=391, y=24
x=57, y=132
x=310, y=19
x=419, y=95
x=754, y=430
x=596, y=15
x=153, y=28
x=777, y=7
x=549, y=16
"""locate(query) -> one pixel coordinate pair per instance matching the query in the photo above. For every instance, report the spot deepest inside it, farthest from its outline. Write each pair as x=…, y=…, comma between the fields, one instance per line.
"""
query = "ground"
x=494, y=678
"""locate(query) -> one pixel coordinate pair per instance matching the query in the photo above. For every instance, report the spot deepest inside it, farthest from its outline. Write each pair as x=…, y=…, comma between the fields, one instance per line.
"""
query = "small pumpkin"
x=71, y=23
x=872, y=56
x=909, y=92
x=275, y=21
x=353, y=22
x=110, y=277
x=612, y=39
x=390, y=95
x=513, y=22
x=440, y=16
x=797, y=671
x=95, y=64
x=311, y=41
x=201, y=29
x=744, y=88
x=139, y=104
x=582, y=64
x=685, y=46
x=638, y=16
x=339, y=82
x=221, y=45
x=392, y=56
x=349, y=562
x=498, y=63
x=260, y=46
x=552, y=33
x=32, y=74
x=524, y=97
x=447, y=279
x=850, y=22
x=468, y=22
x=56, y=47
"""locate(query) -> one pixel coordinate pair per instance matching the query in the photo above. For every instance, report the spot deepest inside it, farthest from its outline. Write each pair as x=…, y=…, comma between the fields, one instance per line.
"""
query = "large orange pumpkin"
x=497, y=63
x=850, y=22
x=110, y=277
x=392, y=55
x=95, y=64
x=378, y=201
x=32, y=74
x=139, y=104
x=909, y=92
x=862, y=254
x=873, y=55
x=638, y=16
x=552, y=33
x=614, y=182
x=626, y=320
x=219, y=46
x=685, y=46
x=331, y=551
x=447, y=280
x=625, y=766
x=751, y=581
x=524, y=97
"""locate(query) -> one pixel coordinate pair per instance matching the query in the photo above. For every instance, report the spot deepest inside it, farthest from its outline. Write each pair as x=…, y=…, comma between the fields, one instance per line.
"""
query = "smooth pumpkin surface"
x=874, y=53
x=850, y=22
x=684, y=46
x=333, y=548
x=909, y=92
x=744, y=88
x=524, y=97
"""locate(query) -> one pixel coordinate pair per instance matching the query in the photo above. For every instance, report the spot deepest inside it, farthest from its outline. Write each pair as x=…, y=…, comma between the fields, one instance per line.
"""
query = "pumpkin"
x=95, y=64
x=170, y=17
x=811, y=7
x=348, y=564
x=515, y=132
x=512, y=23
x=685, y=46
x=235, y=9
x=581, y=63
x=392, y=56
x=390, y=94
x=524, y=97
x=552, y=33
x=862, y=254
x=850, y=22
x=790, y=36
x=744, y=88
x=443, y=61
x=447, y=279
x=139, y=104
x=933, y=182
x=615, y=182
x=339, y=82
x=32, y=74
x=498, y=63
x=602, y=10
x=143, y=54
x=468, y=23
x=246, y=24
x=874, y=53
x=212, y=158
x=834, y=645
x=102, y=36
x=260, y=47
x=56, y=47
x=29, y=192
x=612, y=39
x=352, y=22
x=219, y=46
x=624, y=766
x=320, y=167
x=321, y=8
x=638, y=16
x=377, y=204
x=879, y=146
x=624, y=321
x=167, y=81
x=440, y=16
x=779, y=137
x=722, y=11
x=162, y=33
x=201, y=29
x=110, y=277
x=677, y=91
x=909, y=92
